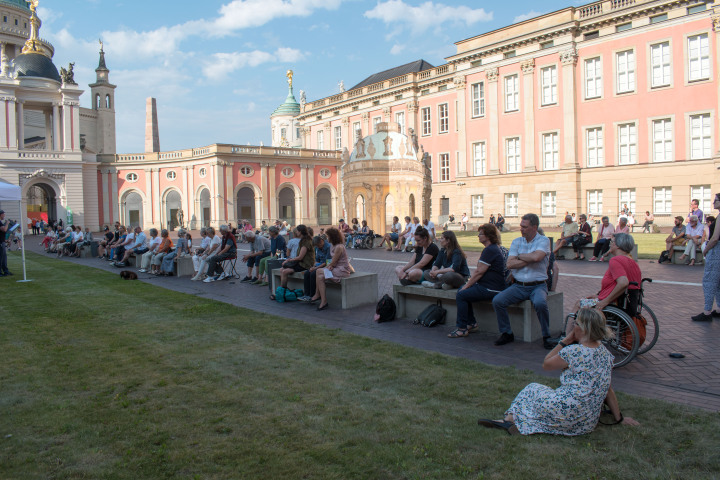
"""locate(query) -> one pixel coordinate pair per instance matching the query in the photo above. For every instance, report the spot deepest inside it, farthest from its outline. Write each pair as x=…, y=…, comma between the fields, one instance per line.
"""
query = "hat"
x=106, y=228
x=342, y=220
x=2, y=211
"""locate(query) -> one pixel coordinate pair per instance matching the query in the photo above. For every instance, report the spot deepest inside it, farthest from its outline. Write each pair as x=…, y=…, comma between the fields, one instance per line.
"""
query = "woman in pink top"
x=602, y=244
x=337, y=268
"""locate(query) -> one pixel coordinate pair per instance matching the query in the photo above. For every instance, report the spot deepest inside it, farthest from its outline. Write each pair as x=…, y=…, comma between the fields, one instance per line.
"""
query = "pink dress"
x=342, y=268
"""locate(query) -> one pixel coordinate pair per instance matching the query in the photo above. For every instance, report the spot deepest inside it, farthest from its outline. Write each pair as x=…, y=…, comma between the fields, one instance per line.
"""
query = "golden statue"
x=289, y=75
x=33, y=45
x=33, y=5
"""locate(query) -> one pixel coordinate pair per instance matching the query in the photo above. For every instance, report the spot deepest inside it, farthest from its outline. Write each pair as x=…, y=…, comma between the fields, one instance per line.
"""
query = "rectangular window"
x=698, y=57
x=478, y=99
x=658, y=18
x=702, y=194
x=426, y=126
x=594, y=142
x=551, y=151
x=548, y=44
x=696, y=9
x=509, y=54
x=442, y=88
x=549, y=85
x=662, y=200
x=548, y=203
x=511, y=204
x=338, y=138
x=398, y=97
x=512, y=155
x=400, y=120
x=511, y=93
x=627, y=144
x=623, y=27
x=476, y=63
x=479, y=159
x=320, y=140
x=376, y=121
x=662, y=140
x=477, y=205
x=425, y=92
x=595, y=202
x=627, y=197
x=593, y=78
x=444, y=118
x=356, y=131
x=700, y=136
x=592, y=35
x=444, y=167
x=660, y=64
x=625, y=65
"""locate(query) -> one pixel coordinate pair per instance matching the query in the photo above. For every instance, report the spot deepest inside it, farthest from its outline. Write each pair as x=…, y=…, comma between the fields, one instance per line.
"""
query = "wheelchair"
x=621, y=318
x=363, y=240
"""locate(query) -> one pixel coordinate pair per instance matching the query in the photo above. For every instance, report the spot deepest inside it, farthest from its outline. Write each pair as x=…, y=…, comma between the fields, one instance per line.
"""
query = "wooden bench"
x=679, y=250
x=413, y=299
x=359, y=288
x=569, y=253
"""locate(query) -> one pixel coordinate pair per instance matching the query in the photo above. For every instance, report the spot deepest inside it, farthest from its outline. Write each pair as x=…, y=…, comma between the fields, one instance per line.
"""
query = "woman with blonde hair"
x=574, y=408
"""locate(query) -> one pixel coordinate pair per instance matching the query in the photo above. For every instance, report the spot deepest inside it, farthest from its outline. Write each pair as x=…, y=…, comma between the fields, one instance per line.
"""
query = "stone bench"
x=184, y=266
x=678, y=251
x=359, y=288
x=569, y=253
x=89, y=251
x=413, y=299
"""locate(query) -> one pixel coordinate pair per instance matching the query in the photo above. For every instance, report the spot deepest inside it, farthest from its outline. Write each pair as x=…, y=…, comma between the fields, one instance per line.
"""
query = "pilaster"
x=148, y=213
x=20, y=125
x=528, y=70
x=264, y=191
x=230, y=210
x=462, y=166
x=8, y=127
x=114, y=196
x=304, y=207
x=157, y=201
x=493, y=150
x=56, y=127
x=106, y=195
x=273, y=201
x=569, y=58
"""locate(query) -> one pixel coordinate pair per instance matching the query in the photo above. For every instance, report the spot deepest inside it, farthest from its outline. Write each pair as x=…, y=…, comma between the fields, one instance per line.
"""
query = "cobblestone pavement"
x=675, y=295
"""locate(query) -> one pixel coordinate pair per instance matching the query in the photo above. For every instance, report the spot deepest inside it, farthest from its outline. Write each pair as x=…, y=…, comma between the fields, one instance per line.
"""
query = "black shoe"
x=548, y=344
x=406, y=282
x=702, y=318
x=715, y=314
x=3, y=275
x=327, y=305
x=559, y=257
x=246, y=279
x=505, y=338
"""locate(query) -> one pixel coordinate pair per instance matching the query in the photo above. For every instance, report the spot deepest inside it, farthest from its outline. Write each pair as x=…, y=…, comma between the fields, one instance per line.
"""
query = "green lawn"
x=109, y=379
x=649, y=245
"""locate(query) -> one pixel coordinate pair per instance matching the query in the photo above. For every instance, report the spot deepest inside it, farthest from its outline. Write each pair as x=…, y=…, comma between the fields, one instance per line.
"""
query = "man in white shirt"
x=430, y=227
x=693, y=234
x=464, y=222
x=209, y=252
x=153, y=243
x=410, y=237
x=139, y=246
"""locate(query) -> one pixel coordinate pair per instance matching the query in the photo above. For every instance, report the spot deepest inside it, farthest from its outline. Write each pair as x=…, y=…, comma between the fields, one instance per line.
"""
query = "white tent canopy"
x=13, y=193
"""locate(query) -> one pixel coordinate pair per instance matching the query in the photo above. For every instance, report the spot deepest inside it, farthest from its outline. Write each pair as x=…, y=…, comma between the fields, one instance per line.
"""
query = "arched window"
x=107, y=102
x=97, y=101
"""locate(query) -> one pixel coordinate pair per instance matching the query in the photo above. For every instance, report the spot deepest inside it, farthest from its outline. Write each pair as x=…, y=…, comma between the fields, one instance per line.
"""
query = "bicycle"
x=621, y=319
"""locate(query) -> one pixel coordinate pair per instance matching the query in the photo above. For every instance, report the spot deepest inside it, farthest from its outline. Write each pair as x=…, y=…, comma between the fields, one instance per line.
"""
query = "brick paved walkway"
x=675, y=295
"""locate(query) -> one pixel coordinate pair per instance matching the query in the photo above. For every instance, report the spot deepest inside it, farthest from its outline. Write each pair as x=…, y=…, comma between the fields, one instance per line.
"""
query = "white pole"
x=22, y=238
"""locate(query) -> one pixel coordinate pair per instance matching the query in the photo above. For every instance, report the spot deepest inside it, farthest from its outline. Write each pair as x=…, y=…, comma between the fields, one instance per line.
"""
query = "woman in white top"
x=405, y=234
x=200, y=260
x=393, y=235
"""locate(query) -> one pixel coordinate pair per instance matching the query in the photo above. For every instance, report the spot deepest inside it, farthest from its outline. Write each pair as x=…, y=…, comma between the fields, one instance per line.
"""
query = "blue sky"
x=217, y=67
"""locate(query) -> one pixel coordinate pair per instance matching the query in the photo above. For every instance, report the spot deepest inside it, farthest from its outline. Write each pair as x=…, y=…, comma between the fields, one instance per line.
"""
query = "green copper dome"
x=17, y=3
x=290, y=107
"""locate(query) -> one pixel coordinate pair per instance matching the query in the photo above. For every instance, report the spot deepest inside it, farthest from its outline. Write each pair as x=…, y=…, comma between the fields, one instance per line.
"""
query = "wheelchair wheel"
x=368, y=241
x=652, y=330
x=623, y=345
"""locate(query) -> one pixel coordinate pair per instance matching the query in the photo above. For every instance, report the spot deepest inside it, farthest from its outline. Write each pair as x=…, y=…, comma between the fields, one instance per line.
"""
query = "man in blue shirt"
x=139, y=247
x=527, y=262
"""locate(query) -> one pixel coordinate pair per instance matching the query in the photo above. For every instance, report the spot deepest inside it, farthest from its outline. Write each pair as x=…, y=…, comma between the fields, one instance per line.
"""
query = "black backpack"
x=385, y=310
x=432, y=315
x=664, y=256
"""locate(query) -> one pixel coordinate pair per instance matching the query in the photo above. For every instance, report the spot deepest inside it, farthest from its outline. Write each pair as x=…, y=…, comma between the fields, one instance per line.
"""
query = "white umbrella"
x=13, y=193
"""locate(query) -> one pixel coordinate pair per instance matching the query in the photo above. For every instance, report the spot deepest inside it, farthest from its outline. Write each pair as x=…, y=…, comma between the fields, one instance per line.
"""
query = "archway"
x=286, y=202
x=412, y=206
x=324, y=207
x=41, y=202
x=360, y=208
x=132, y=209
x=246, y=204
x=389, y=209
x=205, y=205
x=173, y=204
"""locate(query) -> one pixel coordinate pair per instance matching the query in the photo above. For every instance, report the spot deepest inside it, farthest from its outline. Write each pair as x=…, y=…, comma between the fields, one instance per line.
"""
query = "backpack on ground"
x=664, y=257
x=283, y=294
x=385, y=310
x=432, y=315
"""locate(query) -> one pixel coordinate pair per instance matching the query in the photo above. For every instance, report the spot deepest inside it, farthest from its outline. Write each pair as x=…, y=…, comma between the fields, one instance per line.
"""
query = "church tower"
x=103, y=97
x=285, y=127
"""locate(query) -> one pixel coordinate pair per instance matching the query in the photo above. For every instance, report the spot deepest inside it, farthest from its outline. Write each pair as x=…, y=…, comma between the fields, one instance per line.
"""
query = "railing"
x=621, y=4
x=319, y=103
x=41, y=155
x=355, y=93
x=398, y=80
x=294, y=152
x=424, y=74
x=337, y=98
x=325, y=154
x=170, y=155
x=200, y=151
x=376, y=86
x=590, y=10
x=442, y=69
x=250, y=150
x=130, y=158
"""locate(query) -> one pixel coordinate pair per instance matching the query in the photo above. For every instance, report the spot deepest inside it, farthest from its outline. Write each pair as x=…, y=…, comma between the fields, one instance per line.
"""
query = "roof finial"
x=289, y=75
x=33, y=44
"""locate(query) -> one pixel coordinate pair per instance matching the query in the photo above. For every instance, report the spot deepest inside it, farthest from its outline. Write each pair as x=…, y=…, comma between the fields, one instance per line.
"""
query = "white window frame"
x=627, y=143
x=477, y=206
x=400, y=120
x=698, y=57
x=593, y=78
x=426, y=121
x=511, y=204
x=478, y=99
x=443, y=118
x=594, y=147
x=479, y=158
x=662, y=200
x=444, y=167
x=660, y=56
x=549, y=203
x=338, y=137
x=548, y=85
x=375, y=122
x=356, y=127
x=625, y=71
x=550, y=142
x=626, y=196
x=512, y=94
x=595, y=202
x=700, y=136
x=513, y=158
x=662, y=139
x=703, y=194
x=320, y=140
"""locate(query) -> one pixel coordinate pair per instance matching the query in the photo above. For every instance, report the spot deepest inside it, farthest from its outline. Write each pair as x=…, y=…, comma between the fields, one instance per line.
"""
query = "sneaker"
x=142, y=270
x=505, y=338
x=406, y=282
x=209, y=279
x=548, y=344
x=246, y=279
x=428, y=284
x=702, y=317
x=304, y=298
x=253, y=280
x=195, y=278
x=257, y=281
x=715, y=314
x=222, y=276
x=445, y=286
x=593, y=259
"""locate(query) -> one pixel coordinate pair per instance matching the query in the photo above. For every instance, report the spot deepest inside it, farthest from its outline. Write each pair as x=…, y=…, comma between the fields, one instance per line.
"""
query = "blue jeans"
x=516, y=293
x=464, y=299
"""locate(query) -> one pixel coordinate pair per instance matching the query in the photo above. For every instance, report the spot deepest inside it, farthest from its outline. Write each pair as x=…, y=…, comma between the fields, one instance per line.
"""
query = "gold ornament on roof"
x=289, y=76
x=33, y=44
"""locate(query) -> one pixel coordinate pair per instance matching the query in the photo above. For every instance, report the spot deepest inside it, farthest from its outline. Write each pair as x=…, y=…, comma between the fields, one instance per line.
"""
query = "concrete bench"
x=413, y=299
x=358, y=289
x=89, y=251
x=678, y=251
x=569, y=253
x=184, y=266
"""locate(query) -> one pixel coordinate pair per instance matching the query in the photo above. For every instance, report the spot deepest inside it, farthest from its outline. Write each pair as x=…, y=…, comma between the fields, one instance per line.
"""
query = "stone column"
x=328, y=137
x=305, y=193
x=21, y=125
x=311, y=200
x=349, y=139
x=157, y=201
x=365, y=124
x=569, y=58
x=193, y=202
x=114, y=194
x=462, y=166
x=272, y=190
x=493, y=147
x=264, y=192
x=48, y=131
x=528, y=70
x=56, y=127
x=230, y=210
x=8, y=125
x=148, y=214
x=106, y=195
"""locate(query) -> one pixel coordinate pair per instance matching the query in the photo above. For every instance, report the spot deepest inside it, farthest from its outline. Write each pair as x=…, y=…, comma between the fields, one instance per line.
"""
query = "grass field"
x=649, y=245
x=109, y=379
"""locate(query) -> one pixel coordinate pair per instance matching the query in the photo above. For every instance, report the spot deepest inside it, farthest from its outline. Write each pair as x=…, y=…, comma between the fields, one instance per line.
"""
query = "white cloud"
x=527, y=16
x=397, y=49
x=427, y=15
x=221, y=65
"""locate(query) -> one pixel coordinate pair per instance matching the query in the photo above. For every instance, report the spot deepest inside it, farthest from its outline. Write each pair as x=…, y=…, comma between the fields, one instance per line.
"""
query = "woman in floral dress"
x=573, y=408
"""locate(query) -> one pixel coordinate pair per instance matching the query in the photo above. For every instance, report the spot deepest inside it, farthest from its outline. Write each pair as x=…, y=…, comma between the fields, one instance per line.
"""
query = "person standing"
x=695, y=210
x=711, y=277
x=4, y=272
